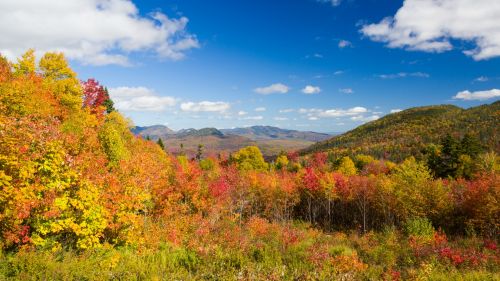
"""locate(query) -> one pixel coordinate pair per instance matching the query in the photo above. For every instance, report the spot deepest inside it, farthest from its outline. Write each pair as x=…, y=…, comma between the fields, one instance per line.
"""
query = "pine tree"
x=199, y=152
x=160, y=143
x=108, y=103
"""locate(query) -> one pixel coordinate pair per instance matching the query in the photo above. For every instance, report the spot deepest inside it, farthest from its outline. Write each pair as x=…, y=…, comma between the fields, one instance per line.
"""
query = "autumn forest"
x=82, y=198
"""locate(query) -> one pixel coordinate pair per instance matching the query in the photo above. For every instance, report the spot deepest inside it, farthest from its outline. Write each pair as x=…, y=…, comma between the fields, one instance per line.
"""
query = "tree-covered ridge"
x=82, y=198
x=408, y=133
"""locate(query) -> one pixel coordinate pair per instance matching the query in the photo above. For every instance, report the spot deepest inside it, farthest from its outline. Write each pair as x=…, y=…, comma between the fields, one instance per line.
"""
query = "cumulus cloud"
x=205, y=106
x=260, y=109
x=97, y=32
x=396, y=110
x=431, y=26
x=313, y=118
x=242, y=113
x=403, y=75
x=286, y=110
x=139, y=99
x=342, y=112
x=344, y=44
x=346, y=91
x=479, y=95
x=277, y=88
x=309, y=90
x=338, y=112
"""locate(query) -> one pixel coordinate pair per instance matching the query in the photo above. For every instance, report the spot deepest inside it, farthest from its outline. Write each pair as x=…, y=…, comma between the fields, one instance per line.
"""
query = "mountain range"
x=271, y=140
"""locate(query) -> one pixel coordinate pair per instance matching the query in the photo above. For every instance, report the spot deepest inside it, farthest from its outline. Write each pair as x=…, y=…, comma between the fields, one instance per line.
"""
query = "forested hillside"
x=409, y=132
x=82, y=198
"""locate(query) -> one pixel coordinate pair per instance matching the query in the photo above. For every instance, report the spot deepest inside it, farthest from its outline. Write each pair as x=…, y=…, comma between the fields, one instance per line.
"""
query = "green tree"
x=160, y=143
x=108, y=102
x=199, y=152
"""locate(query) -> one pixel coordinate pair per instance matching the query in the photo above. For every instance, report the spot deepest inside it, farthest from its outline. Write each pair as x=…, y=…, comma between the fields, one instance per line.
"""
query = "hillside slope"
x=399, y=135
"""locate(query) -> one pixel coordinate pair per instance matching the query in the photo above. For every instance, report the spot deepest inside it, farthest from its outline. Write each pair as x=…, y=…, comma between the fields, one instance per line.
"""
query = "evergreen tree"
x=199, y=152
x=470, y=146
x=108, y=103
x=160, y=143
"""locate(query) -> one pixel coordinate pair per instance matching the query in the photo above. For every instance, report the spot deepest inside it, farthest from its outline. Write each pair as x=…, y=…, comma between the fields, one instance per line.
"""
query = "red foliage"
x=94, y=95
x=319, y=159
x=341, y=185
x=293, y=156
x=311, y=179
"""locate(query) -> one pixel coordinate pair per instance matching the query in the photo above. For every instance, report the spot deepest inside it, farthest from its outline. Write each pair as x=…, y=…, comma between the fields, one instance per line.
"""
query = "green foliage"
x=113, y=137
x=199, y=152
x=421, y=227
x=454, y=158
x=207, y=164
x=160, y=144
x=108, y=102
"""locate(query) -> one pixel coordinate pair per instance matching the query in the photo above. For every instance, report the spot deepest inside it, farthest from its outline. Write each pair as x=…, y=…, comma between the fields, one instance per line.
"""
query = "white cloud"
x=334, y=3
x=242, y=113
x=346, y=91
x=253, y=118
x=342, y=112
x=205, y=106
x=338, y=72
x=431, y=25
x=479, y=95
x=403, y=75
x=344, y=44
x=96, y=32
x=365, y=118
x=313, y=118
x=277, y=88
x=260, y=109
x=287, y=110
x=309, y=90
x=396, y=110
x=139, y=99
x=280, y=118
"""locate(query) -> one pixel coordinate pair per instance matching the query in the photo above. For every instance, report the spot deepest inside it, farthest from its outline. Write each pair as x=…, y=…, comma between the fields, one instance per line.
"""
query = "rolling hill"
x=399, y=135
x=271, y=140
x=269, y=133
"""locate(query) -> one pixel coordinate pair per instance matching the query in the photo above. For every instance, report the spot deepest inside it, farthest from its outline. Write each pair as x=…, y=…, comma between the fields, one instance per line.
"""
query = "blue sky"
x=304, y=64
